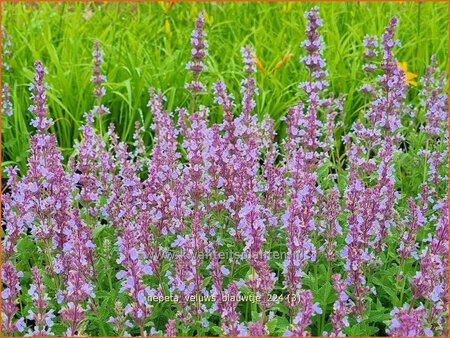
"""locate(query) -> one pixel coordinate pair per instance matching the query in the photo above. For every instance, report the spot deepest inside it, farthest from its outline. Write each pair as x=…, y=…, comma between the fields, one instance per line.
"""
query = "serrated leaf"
x=378, y=316
x=216, y=330
x=361, y=329
x=98, y=230
x=277, y=325
x=280, y=307
x=326, y=294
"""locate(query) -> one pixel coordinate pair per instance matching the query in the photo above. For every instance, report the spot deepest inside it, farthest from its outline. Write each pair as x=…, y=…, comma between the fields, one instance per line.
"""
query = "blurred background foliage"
x=148, y=44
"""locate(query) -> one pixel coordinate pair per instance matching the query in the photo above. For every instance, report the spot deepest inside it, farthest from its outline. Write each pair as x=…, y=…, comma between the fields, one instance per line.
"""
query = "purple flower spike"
x=384, y=112
x=248, y=55
x=371, y=45
x=253, y=227
x=341, y=309
x=10, y=294
x=98, y=79
x=120, y=323
x=39, y=107
x=6, y=49
x=225, y=100
x=43, y=319
x=408, y=322
x=362, y=204
x=387, y=195
x=298, y=222
x=226, y=300
x=314, y=87
x=330, y=226
x=431, y=282
x=257, y=329
x=76, y=261
x=198, y=53
x=435, y=99
x=171, y=329
x=249, y=84
x=91, y=163
x=231, y=325
x=314, y=47
x=303, y=318
x=132, y=276
x=14, y=213
x=413, y=223
x=7, y=107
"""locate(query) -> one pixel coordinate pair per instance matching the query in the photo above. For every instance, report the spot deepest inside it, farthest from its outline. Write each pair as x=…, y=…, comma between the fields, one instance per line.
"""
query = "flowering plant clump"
x=226, y=229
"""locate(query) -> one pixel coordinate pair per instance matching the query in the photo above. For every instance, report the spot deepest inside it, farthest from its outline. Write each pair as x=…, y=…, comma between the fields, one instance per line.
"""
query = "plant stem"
x=322, y=326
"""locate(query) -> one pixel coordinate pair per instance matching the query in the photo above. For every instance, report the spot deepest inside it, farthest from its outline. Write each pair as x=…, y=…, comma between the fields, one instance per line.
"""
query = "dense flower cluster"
x=218, y=229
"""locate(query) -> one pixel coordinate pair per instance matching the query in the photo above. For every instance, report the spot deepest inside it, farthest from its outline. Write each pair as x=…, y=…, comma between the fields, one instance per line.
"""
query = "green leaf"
x=361, y=329
x=378, y=316
x=216, y=330
x=98, y=230
x=281, y=308
x=326, y=295
x=392, y=294
x=277, y=326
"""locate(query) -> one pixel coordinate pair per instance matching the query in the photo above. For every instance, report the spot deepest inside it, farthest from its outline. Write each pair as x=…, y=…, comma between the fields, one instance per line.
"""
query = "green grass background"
x=142, y=52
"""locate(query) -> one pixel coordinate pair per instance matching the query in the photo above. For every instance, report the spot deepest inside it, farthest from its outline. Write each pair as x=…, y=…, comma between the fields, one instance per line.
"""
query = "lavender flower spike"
x=98, y=79
x=10, y=294
x=225, y=100
x=342, y=307
x=120, y=322
x=7, y=107
x=435, y=99
x=257, y=329
x=198, y=53
x=41, y=316
x=303, y=318
x=408, y=322
x=6, y=45
x=39, y=107
x=371, y=44
x=171, y=329
x=384, y=112
x=314, y=46
x=413, y=223
x=249, y=84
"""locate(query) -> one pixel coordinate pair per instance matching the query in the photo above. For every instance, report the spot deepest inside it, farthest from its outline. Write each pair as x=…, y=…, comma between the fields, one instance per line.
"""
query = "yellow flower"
x=283, y=61
x=409, y=76
x=259, y=65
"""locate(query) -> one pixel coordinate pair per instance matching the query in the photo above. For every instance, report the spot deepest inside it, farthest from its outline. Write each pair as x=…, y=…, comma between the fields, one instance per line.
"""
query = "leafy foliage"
x=208, y=215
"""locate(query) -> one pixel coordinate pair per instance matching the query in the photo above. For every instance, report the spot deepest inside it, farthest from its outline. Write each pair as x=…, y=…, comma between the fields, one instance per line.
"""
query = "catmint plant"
x=231, y=221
